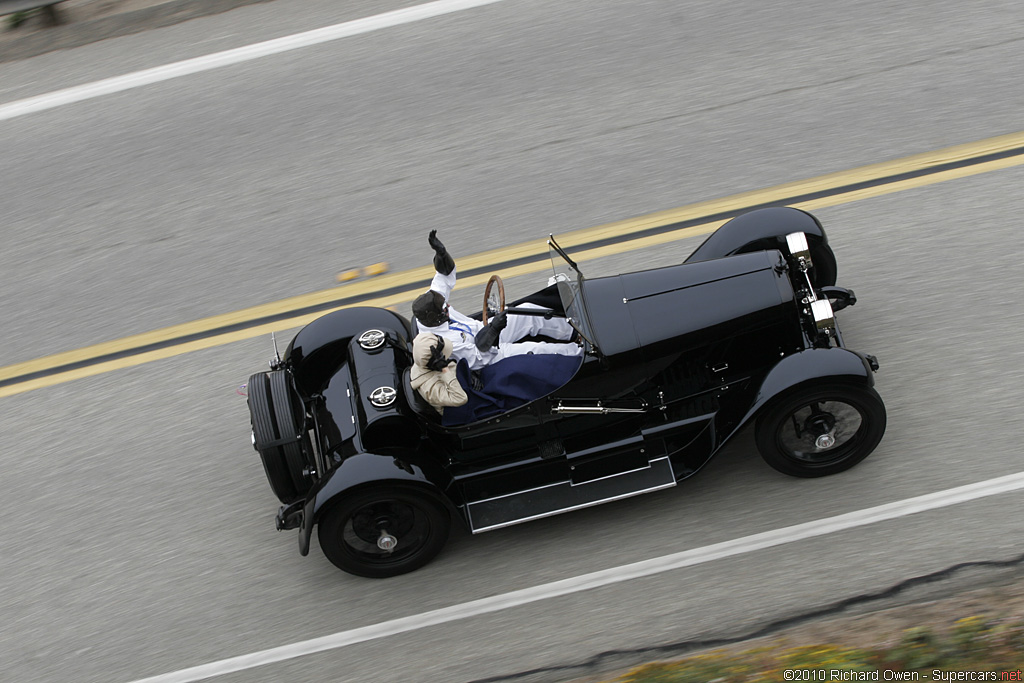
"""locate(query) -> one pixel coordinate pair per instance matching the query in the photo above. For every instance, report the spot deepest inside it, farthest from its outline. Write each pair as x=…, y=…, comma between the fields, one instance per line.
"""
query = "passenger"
x=481, y=345
x=433, y=375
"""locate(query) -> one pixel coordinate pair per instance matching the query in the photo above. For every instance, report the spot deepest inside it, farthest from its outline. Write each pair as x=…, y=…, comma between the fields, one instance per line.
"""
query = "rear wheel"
x=822, y=430
x=383, y=531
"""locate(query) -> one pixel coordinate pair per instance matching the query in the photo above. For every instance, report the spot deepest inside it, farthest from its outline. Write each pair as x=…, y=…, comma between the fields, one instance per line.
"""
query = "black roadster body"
x=677, y=361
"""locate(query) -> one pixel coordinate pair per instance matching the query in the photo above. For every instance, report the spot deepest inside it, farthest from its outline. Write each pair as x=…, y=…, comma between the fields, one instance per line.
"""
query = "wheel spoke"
x=381, y=532
x=796, y=425
x=821, y=430
x=839, y=419
x=396, y=520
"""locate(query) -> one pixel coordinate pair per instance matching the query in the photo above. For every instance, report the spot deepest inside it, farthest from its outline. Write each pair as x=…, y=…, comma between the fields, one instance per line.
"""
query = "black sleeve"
x=444, y=263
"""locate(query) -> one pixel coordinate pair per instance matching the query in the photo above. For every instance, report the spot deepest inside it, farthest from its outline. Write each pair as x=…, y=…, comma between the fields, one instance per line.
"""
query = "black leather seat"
x=418, y=404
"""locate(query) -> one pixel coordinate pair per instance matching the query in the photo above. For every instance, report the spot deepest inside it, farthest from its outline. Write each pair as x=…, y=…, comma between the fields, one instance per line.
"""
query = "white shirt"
x=460, y=329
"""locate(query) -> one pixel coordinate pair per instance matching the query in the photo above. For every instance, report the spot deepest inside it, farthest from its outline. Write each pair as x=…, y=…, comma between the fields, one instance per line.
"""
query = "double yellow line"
x=392, y=289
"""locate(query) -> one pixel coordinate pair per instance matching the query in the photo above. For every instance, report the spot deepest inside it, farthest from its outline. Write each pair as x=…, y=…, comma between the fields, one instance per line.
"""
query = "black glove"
x=443, y=261
x=499, y=321
x=488, y=337
x=437, y=361
x=435, y=243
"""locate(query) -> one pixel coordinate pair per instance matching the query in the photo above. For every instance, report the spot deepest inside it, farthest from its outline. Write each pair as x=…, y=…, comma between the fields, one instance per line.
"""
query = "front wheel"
x=819, y=431
x=823, y=266
x=382, y=532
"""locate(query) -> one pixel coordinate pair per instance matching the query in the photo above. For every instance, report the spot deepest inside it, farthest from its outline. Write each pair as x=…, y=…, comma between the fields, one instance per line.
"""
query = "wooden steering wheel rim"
x=494, y=280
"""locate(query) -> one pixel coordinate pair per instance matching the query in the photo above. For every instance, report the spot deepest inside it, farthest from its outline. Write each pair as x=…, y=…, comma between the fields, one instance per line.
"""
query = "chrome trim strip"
x=469, y=506
x=568, y=509
x=593, y=410
x=516, y=493
x=619, y=474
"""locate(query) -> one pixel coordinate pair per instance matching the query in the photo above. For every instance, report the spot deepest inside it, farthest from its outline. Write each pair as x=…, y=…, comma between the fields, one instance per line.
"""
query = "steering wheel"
x=494, y=298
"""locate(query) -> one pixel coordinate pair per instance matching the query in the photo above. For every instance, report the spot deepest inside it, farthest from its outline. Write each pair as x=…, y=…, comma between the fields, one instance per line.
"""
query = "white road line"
x=216, y=60
x=687, y=558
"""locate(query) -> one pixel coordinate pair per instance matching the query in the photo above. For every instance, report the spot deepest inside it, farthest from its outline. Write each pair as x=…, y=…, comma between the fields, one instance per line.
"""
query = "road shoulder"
x=994, y=593
x=89, y=21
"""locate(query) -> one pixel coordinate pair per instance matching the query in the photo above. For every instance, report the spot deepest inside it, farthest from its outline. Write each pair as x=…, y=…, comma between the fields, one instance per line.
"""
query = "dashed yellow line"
x=624, y=232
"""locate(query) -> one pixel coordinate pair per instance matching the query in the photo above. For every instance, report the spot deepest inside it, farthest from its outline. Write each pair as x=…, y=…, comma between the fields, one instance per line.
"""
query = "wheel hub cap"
x=386, y=541
x=825, y=441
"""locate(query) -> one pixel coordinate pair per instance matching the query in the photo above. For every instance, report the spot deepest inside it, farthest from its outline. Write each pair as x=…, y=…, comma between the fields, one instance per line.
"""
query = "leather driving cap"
x=428, y=308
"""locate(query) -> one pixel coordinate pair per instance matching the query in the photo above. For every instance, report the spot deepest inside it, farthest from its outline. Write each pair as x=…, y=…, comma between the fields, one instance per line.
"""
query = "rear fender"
x=812, y=366
x=321, y=347
x=760, y=229
x=367, y=469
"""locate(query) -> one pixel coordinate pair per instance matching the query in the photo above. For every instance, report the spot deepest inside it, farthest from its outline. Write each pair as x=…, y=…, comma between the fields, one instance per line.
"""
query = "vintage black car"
x=677, y=361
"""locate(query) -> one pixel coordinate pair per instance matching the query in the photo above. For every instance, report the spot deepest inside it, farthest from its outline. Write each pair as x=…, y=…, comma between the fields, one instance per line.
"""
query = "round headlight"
x=796, y=242
x=824, y=318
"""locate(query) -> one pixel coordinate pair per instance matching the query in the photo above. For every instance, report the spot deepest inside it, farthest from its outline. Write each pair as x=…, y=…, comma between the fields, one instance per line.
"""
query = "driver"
x=482, y=344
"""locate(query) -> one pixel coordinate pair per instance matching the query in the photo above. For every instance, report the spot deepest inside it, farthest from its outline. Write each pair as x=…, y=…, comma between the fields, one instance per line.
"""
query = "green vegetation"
x=18, y=18
x=974, y=644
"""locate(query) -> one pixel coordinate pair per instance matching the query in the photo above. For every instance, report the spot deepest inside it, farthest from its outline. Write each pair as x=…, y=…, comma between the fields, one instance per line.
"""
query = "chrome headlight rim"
x=796, y=243
x=824, y=316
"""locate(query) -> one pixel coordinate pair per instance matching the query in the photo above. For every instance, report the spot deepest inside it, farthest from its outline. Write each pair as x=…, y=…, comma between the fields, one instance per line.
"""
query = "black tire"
x=824, y=268
x=290, y=418
x=350, y=531
x=283, y=464
x=786, y=433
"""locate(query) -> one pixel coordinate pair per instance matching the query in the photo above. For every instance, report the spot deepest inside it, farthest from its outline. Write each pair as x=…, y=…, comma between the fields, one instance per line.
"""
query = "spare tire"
x=291, y=419
x=277, y=427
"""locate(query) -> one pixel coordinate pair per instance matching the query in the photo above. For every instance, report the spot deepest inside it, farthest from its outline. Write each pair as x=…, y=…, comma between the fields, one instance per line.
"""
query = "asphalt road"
x=138, y=532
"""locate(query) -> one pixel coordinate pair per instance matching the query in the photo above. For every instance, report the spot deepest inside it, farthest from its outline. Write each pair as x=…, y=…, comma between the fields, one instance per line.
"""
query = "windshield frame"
x=570, y=290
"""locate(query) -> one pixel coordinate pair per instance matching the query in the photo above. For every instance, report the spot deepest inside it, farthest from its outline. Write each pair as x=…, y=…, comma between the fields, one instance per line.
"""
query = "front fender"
x=760, y=229
x=371, y=468
x=812, y=366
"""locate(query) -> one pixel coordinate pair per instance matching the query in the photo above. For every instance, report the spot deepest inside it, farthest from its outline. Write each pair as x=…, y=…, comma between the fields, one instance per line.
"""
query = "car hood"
x=686, y=303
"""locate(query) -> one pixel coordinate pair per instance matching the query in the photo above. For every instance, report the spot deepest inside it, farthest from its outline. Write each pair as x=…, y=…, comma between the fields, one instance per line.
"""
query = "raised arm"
x=444, y=264
x=443, y=261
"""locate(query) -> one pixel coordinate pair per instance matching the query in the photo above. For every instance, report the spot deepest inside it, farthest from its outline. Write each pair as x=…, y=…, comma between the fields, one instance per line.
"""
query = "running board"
x=553, y=499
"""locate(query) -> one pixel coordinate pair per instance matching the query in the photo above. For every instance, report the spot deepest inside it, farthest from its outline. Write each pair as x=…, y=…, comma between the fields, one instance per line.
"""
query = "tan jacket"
x=438, y=388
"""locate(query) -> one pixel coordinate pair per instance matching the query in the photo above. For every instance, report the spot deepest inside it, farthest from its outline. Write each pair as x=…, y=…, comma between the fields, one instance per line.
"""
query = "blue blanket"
x=509, y=383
